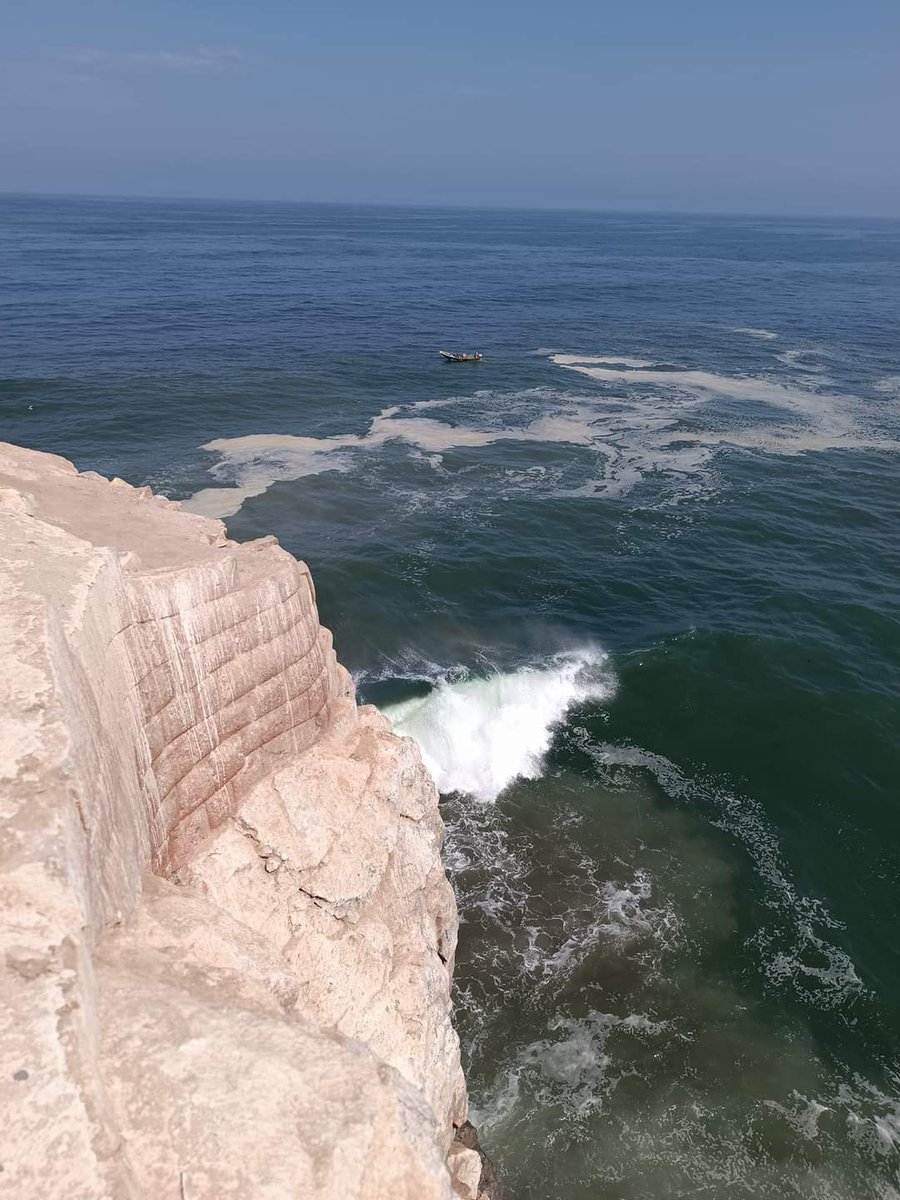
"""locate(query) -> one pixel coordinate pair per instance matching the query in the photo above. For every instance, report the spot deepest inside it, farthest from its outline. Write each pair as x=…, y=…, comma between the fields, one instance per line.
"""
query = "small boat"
x=451, y=357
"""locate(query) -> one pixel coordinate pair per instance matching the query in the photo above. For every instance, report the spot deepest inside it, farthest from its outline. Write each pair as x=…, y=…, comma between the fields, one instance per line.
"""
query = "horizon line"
x=444, y=207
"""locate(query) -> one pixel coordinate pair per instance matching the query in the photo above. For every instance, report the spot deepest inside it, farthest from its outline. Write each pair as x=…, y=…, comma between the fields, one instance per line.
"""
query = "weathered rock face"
x=227, y=937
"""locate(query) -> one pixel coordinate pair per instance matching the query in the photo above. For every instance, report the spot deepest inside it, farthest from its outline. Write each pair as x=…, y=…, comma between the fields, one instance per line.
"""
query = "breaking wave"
x=477, y=735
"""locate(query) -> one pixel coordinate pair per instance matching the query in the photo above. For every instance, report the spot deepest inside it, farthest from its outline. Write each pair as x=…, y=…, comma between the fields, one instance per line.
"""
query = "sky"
x=777, y=106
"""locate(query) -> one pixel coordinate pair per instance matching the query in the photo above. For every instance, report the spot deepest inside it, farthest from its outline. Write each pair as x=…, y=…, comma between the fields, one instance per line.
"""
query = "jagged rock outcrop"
x=227, y=936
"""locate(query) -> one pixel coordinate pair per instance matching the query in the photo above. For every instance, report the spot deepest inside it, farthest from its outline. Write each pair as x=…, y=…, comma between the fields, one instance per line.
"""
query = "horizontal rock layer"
x=227, y=935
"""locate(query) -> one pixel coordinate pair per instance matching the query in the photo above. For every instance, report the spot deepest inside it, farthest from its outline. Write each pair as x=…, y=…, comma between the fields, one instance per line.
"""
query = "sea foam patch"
x=752, y=412
x=647, y=420
x=259, y=460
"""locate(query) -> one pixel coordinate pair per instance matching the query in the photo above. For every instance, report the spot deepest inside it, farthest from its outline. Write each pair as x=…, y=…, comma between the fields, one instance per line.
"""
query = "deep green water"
x=633, y=584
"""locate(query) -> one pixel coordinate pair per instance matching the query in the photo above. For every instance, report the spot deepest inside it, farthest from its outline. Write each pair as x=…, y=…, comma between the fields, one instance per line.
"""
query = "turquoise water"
x=632, y=582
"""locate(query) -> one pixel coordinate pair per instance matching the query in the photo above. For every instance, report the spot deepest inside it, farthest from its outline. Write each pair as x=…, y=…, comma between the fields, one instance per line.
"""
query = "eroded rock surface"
x=227, y=936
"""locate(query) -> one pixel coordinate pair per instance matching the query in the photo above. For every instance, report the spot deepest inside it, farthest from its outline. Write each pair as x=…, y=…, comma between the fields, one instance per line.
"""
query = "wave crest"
x=478, y=735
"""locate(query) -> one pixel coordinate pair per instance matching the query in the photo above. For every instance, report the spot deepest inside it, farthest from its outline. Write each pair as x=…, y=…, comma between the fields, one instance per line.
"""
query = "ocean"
x=633, y=584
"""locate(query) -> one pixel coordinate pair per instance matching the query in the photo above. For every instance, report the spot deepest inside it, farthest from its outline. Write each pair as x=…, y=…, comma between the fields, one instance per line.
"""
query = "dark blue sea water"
x=633, y=582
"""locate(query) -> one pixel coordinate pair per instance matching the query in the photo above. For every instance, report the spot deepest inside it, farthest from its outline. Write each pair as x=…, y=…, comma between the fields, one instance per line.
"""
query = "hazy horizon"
x=774, y=110
x=736, y=215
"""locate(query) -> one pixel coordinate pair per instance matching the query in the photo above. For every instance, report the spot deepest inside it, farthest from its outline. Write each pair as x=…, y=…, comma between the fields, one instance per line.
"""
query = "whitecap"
x=750, y=331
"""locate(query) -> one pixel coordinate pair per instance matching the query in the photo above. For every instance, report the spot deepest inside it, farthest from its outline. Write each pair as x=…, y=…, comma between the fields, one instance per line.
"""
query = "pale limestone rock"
x=268, y=1014
x=360, y=907
x=222, y=1087
x=465, y=1170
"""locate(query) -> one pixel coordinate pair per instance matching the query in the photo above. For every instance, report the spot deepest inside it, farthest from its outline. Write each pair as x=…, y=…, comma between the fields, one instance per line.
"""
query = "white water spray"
x=478, y=735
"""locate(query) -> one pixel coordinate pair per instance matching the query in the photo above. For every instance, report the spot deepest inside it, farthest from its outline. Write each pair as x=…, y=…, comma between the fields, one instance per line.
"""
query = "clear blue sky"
x=786, y=106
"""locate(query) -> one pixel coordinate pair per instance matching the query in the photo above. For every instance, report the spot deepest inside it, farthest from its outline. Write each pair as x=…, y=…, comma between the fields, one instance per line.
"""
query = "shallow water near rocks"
x=631, y=582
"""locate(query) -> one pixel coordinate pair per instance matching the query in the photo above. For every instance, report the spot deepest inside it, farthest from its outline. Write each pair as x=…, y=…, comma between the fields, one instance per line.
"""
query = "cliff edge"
x=227, y=936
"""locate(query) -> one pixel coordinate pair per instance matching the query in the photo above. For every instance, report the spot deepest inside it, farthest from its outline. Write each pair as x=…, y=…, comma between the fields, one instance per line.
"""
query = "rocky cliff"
x=227, y=936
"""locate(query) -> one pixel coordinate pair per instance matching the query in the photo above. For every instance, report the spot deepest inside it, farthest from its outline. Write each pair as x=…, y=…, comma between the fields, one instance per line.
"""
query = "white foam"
x=477, y=735
x=739, y=387
x=665, y=422
x=598, y=360
x=623, y=915
x=803, y=1116
x=259, y=460
x=626, y=910
x=802, y=360
x=764, y=334
x=572, y=1068
x=799, y=951
x=802, y=418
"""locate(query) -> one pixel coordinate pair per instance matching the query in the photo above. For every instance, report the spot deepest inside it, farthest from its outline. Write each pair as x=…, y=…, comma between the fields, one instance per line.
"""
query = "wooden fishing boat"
x=452, y=357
